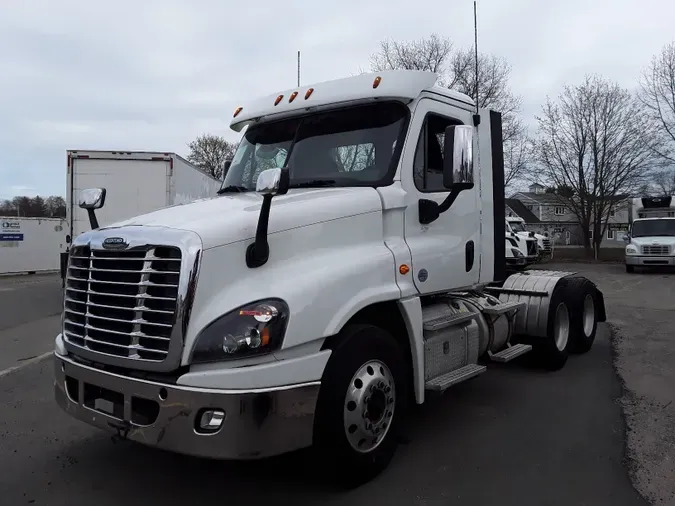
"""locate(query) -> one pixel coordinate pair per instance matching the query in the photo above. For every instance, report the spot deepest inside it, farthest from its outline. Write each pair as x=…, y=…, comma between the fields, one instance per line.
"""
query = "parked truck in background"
x=136, y=183
x=516, y=225
x=352, y=264
x=526, y=244
x=516, y=260
x=650, y=241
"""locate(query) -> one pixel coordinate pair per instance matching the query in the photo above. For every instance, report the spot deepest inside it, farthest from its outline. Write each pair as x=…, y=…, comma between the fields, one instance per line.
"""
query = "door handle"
x=469, y=255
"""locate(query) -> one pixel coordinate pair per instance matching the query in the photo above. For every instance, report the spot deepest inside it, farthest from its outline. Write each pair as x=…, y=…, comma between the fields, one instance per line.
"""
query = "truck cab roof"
x=403, y=85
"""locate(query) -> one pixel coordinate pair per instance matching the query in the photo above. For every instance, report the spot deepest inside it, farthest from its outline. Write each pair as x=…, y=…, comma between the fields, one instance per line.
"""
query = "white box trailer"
x=136, y=183
x=30, y=244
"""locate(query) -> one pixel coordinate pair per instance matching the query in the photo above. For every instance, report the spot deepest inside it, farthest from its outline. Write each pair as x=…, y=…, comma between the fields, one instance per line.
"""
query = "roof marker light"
x=377, y=82
x=279, y=98
x=292, y=97
x=308, y=93
x=237, y=111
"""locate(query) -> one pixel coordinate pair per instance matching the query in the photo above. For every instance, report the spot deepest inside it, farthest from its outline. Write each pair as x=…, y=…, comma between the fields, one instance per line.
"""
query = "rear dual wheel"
x=583, y=302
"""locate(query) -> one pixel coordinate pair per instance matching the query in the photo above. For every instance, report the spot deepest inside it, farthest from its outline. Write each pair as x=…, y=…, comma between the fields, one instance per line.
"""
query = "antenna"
x=298, y=69
x=475, y=45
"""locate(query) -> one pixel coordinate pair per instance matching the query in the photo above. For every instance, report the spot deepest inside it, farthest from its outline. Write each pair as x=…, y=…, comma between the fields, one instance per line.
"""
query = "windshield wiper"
x=233, y=189
x=313, y=182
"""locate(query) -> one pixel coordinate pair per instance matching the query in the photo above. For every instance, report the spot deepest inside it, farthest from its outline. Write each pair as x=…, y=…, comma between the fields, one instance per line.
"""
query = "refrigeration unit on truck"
x=517, y=225
x=135, y=182
x=352, y=265
x=650, y=241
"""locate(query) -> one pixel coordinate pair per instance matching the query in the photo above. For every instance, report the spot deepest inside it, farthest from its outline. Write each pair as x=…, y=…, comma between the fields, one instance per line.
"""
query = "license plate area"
x=103, y=400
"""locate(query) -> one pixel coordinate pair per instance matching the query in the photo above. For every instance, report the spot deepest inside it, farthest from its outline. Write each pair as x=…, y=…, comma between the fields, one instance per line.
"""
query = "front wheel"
x=361, y=404
x=630, y=268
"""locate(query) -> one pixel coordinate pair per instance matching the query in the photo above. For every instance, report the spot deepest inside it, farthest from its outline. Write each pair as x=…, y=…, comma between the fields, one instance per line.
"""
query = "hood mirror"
x=270, y=182
x=92, y=199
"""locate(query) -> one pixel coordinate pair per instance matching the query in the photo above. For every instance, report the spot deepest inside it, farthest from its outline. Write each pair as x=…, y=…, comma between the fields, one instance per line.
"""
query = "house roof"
x=519, y=208
x=551, y=199
x=539, y=198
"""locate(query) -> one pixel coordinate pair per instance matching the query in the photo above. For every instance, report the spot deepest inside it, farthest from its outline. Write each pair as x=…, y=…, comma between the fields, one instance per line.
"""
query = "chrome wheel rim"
x=561, y=327
x=369, y=406
x=589, y=315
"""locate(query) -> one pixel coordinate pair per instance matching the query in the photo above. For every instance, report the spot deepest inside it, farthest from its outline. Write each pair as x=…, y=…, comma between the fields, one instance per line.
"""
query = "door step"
x=445, y=321
x=508, y=354
x=504, y=307
x=445, y=381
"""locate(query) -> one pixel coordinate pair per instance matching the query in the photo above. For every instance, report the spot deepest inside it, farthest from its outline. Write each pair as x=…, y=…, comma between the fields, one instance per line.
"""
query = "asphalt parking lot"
x=515, y=435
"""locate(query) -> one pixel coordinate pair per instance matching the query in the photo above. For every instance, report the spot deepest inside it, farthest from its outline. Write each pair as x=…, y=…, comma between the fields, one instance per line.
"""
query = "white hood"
x=654, y=241
x=233, y=217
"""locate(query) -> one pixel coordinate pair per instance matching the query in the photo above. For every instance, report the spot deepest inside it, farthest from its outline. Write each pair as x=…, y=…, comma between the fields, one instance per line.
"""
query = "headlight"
x=516, y=253
x=631, y=250
x=253, y=329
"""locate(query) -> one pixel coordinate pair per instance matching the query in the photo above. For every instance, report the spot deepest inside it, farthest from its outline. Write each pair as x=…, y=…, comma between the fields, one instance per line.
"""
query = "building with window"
x=550, y=213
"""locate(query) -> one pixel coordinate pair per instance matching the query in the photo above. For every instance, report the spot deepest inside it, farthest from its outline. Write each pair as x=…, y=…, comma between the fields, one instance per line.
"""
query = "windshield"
x=353, y=146
x=517, y=226
x=651, y=228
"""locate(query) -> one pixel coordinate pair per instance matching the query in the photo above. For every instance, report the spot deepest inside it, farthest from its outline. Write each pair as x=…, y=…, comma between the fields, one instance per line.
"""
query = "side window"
x=428, y=163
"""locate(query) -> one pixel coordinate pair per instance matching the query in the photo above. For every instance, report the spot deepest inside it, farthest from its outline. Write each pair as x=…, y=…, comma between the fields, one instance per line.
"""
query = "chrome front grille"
x=547, y=245
x=122, y=303
x=655, y=250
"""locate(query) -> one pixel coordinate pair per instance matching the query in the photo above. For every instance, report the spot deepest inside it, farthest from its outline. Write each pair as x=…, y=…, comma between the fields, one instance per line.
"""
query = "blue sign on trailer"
x=11, y=237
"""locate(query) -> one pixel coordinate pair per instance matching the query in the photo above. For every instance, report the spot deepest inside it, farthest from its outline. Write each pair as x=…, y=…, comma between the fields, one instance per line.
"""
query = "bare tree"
x=456, y=69
x=657, y=94
x=209, y=153
x=664, y=182
x=596, y=142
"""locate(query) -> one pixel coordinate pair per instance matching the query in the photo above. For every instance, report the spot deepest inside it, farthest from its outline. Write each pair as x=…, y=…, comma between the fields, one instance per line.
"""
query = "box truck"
x=136, y=182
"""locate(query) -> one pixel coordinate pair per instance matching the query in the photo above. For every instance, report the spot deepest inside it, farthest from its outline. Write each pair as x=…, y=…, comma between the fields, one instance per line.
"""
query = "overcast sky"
x=154, y=74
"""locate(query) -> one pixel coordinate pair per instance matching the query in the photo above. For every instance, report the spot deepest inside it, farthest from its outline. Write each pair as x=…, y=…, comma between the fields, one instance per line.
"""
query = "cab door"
x=445, y=252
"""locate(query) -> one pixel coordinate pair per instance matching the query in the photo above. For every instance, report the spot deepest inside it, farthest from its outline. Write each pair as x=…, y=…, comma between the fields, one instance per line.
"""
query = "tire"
x=366, y=359
x=552, y=351
x=582, y=300
x=630, y=268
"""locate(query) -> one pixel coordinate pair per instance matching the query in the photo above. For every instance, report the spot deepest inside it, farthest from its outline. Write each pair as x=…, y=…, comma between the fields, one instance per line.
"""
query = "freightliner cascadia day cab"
x=517, y=225
x=136, y=182
x=352, y=265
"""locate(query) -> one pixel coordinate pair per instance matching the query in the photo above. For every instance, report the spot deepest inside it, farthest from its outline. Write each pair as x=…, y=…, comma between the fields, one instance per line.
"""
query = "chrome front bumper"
x=256, y=423
x=650, y=260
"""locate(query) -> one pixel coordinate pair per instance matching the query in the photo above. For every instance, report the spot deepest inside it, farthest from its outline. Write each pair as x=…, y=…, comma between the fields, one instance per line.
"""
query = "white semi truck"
x=136, y=182
x=351, y=266
x=526, y=244
x=516, y=260
x=517, y=225
x=650, y=241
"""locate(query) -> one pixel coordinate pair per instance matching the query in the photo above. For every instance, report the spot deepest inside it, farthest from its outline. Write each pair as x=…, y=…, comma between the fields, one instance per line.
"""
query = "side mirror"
x=626, y=238
x=273, y=182
x=270, y=182
x=92, y=198
x=458, y=157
